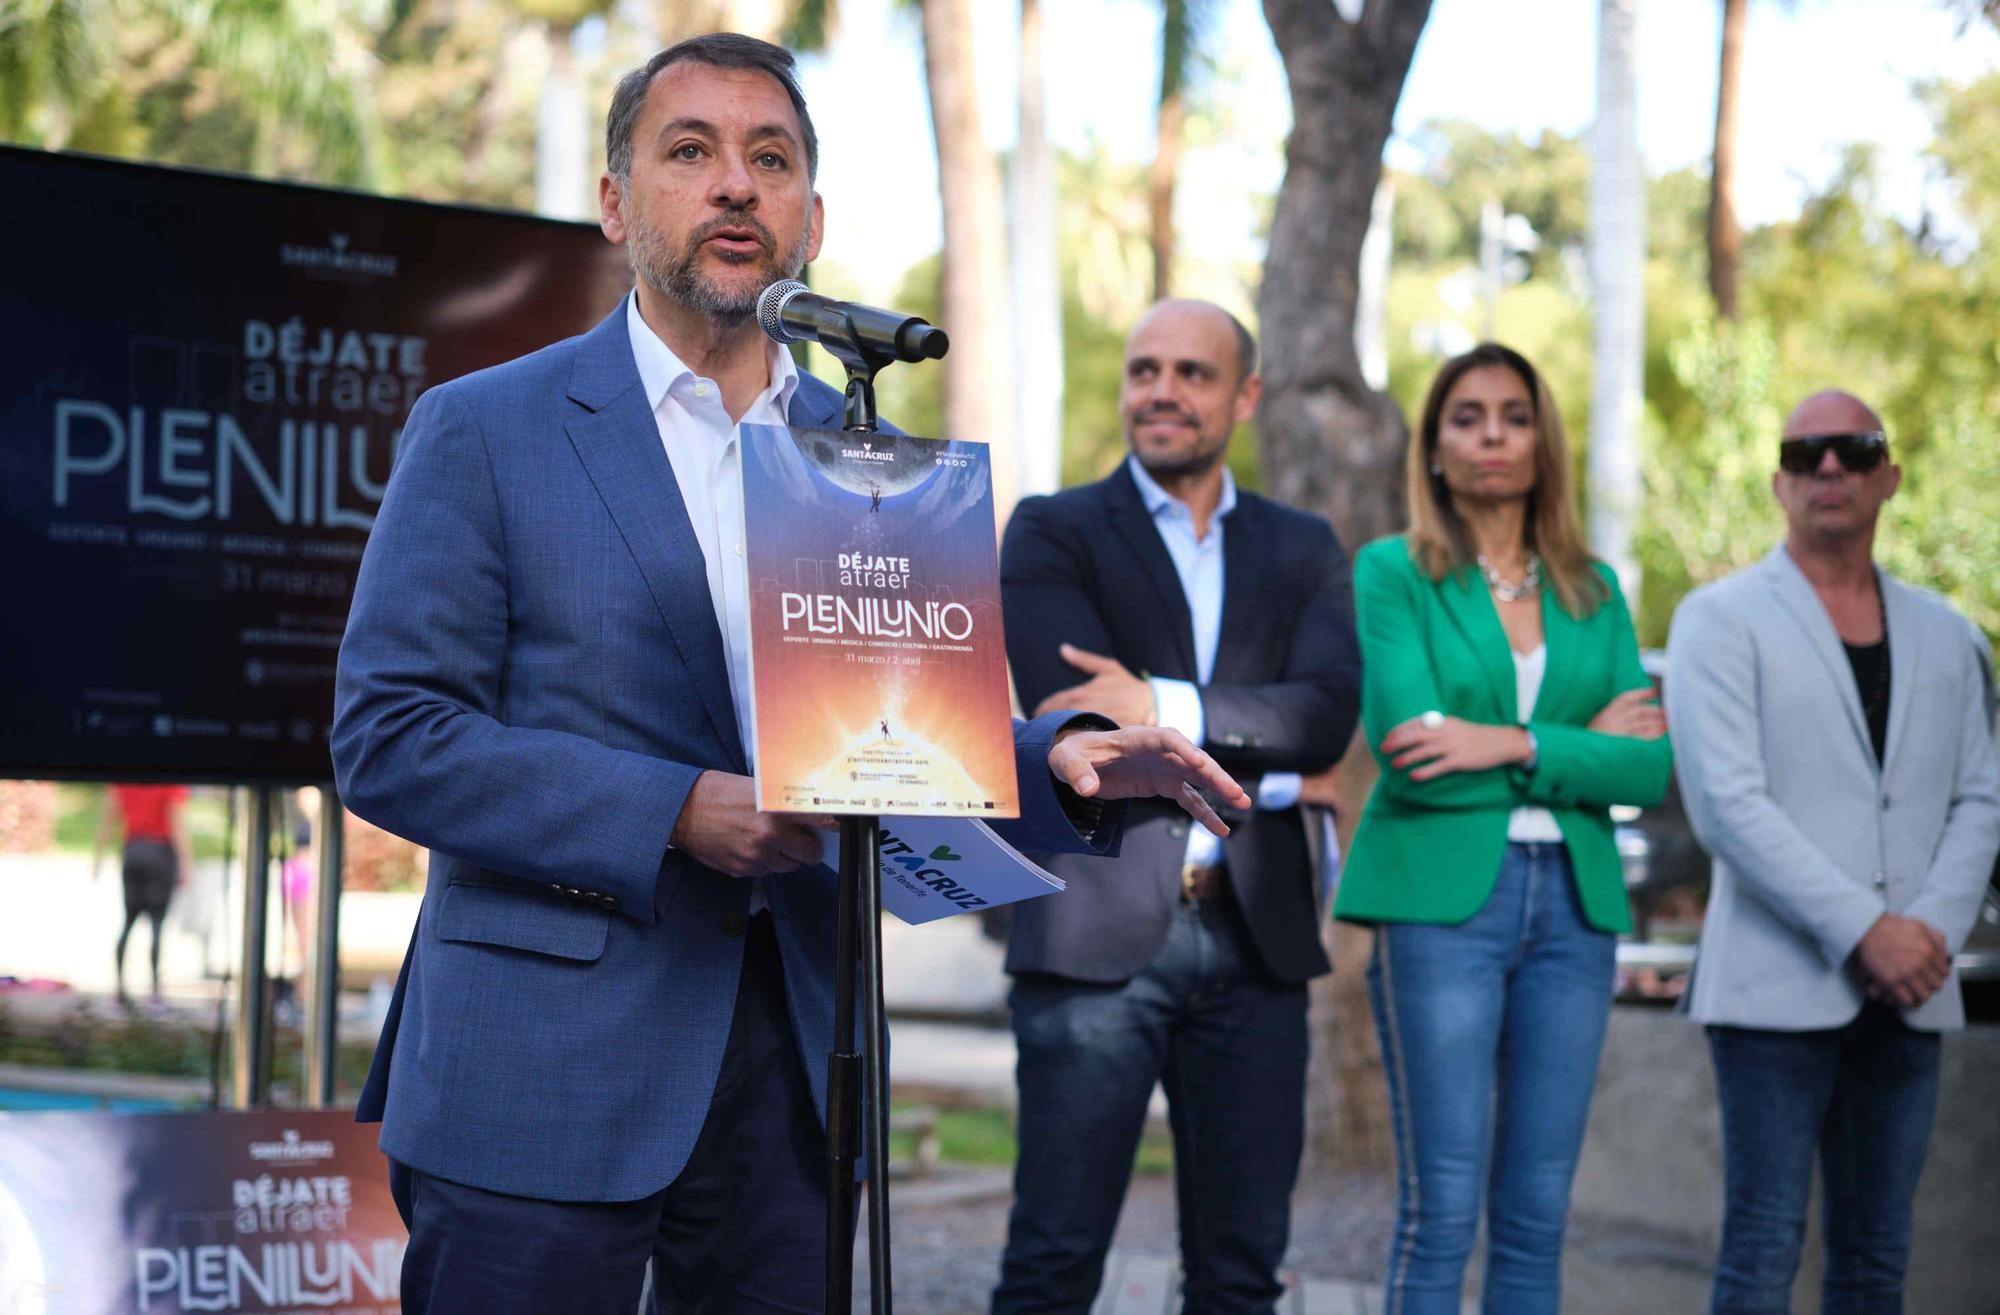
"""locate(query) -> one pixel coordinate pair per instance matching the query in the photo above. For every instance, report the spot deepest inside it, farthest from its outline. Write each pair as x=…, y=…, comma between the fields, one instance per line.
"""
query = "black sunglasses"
x=1855, y=452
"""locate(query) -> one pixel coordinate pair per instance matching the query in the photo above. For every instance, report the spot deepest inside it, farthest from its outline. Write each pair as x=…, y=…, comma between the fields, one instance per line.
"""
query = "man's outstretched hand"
x=1139, y=762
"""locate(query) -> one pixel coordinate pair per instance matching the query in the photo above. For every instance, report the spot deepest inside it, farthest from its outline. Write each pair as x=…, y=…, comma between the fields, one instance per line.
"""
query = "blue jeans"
x=1863, y=1096
x=1228, y=1042
x=1490, y=1032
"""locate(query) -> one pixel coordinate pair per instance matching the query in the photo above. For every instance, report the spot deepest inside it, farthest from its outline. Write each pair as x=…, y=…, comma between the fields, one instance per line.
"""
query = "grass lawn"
x=984, y=1135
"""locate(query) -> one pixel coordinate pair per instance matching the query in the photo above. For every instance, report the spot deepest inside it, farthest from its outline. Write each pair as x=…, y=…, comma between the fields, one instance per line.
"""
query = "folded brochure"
x=933, y=867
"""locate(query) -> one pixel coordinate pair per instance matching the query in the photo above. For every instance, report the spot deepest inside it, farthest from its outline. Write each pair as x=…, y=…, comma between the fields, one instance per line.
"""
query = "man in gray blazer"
x=1833, y=729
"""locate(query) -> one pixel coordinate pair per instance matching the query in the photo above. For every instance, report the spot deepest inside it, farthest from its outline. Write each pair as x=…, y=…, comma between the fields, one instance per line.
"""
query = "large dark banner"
x=202, y=384
x=234, y=1212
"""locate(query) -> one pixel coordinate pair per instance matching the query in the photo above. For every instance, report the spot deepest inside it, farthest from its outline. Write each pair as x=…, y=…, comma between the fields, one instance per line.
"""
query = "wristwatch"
x=1534, y=751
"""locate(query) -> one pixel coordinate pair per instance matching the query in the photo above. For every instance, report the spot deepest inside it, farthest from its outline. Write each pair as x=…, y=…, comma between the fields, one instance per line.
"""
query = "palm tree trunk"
x=1725, y=239
x=1160, y=190
x=562, y=178
x=1618, y=291
x=1327, y=441
x=1038, y=327
x=973, y=305
x=1176, y=57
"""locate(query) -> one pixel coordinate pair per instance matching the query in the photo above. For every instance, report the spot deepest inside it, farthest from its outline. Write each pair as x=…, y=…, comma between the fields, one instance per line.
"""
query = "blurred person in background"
x=156, y=860
x=1503, y=698
x=1163, y=595
x=300, y=869
x=1837, y=760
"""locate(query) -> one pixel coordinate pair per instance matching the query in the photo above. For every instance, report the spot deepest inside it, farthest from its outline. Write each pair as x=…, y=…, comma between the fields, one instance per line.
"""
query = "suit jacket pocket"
x=520, y=917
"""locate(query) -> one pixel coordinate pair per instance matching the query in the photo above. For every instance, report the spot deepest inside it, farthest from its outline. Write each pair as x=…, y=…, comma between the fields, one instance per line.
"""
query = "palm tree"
x=47, y=63
x=1618, y=290
x=1037, y=275
x=973, y=301
x=562, y=127
x=300, y=70
x=1725, y=238
x=1182, y=25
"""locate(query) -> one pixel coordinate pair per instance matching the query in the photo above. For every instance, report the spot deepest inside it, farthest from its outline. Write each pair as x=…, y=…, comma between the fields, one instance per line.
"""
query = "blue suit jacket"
x=531, y=681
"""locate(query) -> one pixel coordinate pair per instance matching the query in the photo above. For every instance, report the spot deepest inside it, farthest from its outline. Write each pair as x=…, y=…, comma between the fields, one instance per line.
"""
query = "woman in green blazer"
x=1504, y=701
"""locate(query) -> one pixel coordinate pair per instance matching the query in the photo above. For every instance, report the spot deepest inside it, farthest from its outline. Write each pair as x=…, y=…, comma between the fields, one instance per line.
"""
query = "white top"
x=701, y=444
x=1526, y=824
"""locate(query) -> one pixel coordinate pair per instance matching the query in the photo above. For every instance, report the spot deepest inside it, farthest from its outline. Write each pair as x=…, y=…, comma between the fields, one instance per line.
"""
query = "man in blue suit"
x=608, y=1041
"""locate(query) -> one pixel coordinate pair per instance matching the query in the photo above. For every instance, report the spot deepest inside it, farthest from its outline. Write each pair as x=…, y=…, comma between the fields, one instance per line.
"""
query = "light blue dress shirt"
x=1198, y=562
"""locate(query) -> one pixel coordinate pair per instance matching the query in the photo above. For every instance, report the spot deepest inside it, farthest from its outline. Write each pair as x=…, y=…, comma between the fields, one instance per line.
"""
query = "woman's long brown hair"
x=1437, y=536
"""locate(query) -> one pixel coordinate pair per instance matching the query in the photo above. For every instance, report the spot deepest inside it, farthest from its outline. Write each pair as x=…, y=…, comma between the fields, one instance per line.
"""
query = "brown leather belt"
x=1204, y=881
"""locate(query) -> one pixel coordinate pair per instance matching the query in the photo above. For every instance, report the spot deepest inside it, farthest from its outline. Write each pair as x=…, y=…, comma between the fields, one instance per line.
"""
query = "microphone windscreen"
x=771, y=308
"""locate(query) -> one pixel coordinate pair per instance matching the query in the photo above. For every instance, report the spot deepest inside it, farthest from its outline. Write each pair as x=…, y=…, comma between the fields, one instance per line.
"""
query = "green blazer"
x=1430, y=851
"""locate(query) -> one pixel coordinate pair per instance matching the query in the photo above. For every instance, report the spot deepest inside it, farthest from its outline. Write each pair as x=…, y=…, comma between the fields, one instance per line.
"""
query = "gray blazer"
x=1812, y=842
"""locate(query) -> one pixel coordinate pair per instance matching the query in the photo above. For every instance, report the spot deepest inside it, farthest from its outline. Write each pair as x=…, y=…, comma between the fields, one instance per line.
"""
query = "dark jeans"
x=741, y=1230
x=1862, y=1096
x=1491, y=1031
x=1229, y=1044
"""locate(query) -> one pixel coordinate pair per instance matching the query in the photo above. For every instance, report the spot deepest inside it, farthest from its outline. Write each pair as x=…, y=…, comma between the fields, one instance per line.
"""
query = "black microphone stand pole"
x=857, y=935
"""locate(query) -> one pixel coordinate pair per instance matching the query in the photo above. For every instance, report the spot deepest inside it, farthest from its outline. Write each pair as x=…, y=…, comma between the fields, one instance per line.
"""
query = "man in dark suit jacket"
x=1162, y=594
x=609, y=1039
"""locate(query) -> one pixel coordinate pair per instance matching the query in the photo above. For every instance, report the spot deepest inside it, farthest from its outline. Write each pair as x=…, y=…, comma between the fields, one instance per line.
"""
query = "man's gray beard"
x=678, y=280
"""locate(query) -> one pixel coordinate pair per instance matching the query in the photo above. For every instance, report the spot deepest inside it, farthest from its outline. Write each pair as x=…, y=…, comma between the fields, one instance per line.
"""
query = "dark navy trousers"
x=741, y=1231
x=1227, y=1041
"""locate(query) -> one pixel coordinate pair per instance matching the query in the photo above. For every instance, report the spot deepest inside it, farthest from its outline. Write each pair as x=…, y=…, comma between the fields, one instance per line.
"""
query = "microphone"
x=791, y=312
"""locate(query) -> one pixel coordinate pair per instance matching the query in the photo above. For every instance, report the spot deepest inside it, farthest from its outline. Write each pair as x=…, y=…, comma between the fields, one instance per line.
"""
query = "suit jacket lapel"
x=1796, y=596
x=1130, y=519
x=815, y=404
x=1561, y=650
x=1470, y=607
x=1246, y=559
x=1906, y=644
x=618, y=441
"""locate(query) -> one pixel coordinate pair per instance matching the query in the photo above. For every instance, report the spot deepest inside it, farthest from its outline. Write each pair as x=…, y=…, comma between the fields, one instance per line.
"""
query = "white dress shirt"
x=701, y=443
x=1198, y=562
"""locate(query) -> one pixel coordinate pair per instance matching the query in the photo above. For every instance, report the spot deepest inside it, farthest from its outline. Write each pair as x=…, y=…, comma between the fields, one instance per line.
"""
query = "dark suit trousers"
x=1228, y=1042
x=742, y=1229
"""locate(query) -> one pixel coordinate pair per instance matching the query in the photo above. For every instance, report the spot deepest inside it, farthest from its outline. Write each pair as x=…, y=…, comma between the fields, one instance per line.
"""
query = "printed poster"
x=878, y=671
x=230, y=1212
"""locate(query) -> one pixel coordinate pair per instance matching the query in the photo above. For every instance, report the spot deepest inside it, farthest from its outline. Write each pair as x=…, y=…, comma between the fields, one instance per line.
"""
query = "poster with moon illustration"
x=878, y=669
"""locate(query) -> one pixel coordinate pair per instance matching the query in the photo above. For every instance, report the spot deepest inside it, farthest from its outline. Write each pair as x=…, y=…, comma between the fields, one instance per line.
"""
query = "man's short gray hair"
x=730, y=50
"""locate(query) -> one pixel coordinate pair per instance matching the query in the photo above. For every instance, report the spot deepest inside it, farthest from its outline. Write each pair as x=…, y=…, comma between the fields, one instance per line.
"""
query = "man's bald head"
x=1187, y=310
x=1831, y=412
x=1830, y=503
x=1190, y=378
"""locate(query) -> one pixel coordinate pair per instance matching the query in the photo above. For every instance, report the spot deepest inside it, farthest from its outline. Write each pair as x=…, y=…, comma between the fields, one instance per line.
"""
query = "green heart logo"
x=943, y=854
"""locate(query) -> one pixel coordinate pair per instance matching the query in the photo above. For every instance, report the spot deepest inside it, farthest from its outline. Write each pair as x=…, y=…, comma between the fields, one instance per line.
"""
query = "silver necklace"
x=1531, y=580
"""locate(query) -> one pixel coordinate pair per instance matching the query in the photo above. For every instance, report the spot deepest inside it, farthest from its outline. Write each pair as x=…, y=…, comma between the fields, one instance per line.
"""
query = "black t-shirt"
x=1871, y=680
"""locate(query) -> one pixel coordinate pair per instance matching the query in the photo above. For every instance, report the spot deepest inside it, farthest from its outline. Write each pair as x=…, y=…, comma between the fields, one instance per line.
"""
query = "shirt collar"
x=661, y=371
x=1158, y=499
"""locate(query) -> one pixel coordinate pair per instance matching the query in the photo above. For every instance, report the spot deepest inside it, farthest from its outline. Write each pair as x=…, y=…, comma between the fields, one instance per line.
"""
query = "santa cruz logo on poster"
x=336, y=258
x=292, y=1149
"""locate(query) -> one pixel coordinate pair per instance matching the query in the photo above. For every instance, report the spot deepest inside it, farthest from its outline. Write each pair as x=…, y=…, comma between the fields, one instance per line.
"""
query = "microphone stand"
x=857, y=934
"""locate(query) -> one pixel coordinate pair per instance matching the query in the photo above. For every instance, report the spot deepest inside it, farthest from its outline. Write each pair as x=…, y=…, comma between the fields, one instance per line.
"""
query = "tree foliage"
x=1846, y=294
